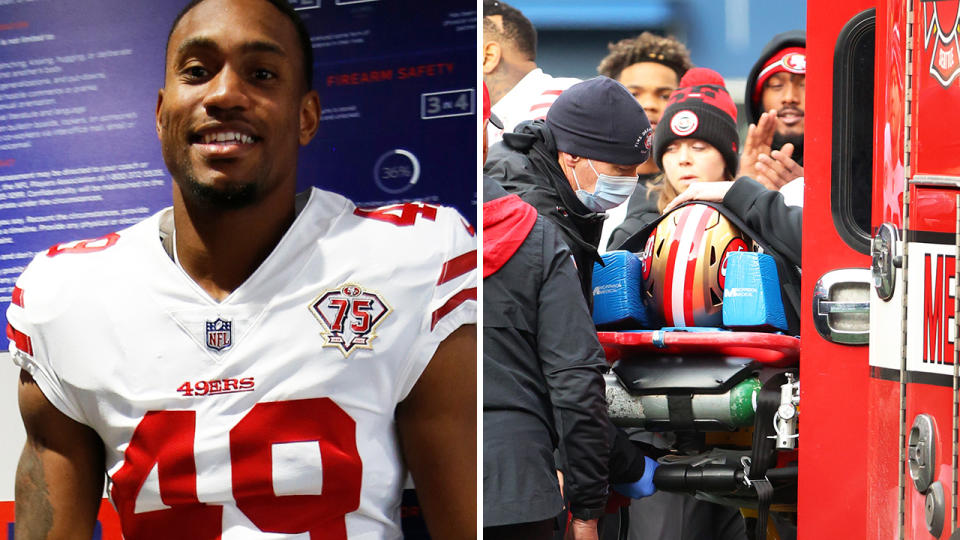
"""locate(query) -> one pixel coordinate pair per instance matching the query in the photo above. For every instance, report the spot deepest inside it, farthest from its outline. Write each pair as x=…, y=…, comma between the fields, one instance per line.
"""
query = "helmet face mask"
x=684, y=262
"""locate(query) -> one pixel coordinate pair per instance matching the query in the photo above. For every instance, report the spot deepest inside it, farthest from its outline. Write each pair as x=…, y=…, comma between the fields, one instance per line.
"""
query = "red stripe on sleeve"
x=18, y=296
x=452, y=303
x=21, y=340
x=551, y=92
x=458, y=266
x=546, y=105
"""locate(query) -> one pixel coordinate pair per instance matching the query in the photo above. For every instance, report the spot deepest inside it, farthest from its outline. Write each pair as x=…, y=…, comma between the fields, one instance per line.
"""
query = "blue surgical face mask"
x=610, y=191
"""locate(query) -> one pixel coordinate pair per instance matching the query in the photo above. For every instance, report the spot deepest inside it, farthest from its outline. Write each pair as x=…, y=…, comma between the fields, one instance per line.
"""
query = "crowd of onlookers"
x=576, y=168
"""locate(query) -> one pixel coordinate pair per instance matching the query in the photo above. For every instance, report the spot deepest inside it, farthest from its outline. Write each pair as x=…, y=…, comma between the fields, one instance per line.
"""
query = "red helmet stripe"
x=695, y=250
x=672, y=248
x=675, y=309
x=679, y=268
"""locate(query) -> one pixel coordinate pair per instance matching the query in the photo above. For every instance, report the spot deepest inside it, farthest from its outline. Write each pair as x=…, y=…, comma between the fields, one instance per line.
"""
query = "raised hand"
x=778, y=168
x=758, y=141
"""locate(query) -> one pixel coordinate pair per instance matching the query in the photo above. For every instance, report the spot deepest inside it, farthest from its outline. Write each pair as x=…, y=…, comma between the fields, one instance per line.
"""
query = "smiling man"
x=236, y=364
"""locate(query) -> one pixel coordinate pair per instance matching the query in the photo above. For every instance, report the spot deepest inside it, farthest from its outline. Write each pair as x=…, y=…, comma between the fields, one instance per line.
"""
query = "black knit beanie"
x=599, y=119
x=700, y=111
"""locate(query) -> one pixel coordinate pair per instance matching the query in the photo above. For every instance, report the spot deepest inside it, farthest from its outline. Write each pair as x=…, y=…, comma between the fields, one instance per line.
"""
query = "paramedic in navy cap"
x=578, y=163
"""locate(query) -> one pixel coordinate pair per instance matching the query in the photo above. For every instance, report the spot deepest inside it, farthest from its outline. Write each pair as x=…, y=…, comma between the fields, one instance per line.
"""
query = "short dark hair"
x=284, y=6
x=516, y=28
x=647, y=47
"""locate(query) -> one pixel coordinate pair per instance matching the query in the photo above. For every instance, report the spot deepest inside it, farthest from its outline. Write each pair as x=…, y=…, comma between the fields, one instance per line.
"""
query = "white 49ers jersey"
x=271, y=411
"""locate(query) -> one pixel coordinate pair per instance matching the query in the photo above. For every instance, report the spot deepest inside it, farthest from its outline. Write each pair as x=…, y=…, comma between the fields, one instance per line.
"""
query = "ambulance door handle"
x=827, y=307
x=841, y=306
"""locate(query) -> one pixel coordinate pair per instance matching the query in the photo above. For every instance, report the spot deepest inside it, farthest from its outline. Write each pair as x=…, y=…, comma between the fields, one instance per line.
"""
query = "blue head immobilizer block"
x=751, y=292
x=617, y=292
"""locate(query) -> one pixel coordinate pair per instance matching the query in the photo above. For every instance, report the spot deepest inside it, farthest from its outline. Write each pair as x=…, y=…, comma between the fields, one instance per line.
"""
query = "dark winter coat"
x=764, y=211
x=543, y=386
x=525, y=163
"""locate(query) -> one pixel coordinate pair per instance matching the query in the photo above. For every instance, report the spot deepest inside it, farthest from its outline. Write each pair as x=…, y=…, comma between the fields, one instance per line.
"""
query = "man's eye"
x=195, y=72
x=264, y=75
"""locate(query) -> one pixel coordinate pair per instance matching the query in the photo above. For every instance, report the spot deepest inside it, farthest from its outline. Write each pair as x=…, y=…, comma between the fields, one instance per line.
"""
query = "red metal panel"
x=933, y=210
x=934, y=151
x=888, y=114
x=832, y=498
x=883, y=402
x=883, y=405
x=936, y=401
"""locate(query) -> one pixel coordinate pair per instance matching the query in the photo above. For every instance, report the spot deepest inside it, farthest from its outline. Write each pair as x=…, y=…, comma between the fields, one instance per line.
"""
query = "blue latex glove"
x=644, y=486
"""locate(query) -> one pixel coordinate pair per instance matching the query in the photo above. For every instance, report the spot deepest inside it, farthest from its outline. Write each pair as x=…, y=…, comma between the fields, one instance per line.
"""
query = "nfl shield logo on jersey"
x=219, y=335
x=349, y=315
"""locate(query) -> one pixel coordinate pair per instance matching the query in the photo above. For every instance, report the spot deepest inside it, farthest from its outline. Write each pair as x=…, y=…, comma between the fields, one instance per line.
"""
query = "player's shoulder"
x=549, y=83
x=84, y=263
x=415, y=221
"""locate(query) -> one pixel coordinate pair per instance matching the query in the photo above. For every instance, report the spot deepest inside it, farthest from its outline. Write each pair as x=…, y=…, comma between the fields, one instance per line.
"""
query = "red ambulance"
x=878, y=362
x=878, y=450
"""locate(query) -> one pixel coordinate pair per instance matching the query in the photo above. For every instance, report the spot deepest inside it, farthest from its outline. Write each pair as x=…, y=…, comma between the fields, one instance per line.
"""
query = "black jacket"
x=525, y=163
x=542, y=368
x=764, y=211
x=777, y=225
x=791, y=38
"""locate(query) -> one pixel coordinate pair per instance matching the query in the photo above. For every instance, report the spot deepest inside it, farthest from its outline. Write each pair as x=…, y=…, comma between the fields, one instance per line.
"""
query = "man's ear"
x=567, y=163
x=159, y=106
x=309, y=116
x=569, y=160
x=492, y=54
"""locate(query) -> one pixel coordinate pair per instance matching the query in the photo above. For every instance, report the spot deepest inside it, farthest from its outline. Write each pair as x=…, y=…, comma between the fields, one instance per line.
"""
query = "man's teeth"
x=231, y=136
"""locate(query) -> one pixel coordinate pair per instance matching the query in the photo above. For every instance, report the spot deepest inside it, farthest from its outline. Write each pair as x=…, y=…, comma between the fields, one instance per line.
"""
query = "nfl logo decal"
x=219, y=335
x=349, y=315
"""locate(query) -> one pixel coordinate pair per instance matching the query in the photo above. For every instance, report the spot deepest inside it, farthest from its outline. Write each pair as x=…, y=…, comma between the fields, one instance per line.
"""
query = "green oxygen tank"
x=711, y=412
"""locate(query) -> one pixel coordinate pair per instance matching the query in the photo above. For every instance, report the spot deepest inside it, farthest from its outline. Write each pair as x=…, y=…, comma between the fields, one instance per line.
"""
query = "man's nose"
x=227, y=90
x=650, y=105
x=791, y=93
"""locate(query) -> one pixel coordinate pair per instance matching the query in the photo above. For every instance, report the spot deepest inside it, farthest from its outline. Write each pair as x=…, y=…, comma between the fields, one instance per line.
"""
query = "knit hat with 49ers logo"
x=789, y=60
x=701, y=109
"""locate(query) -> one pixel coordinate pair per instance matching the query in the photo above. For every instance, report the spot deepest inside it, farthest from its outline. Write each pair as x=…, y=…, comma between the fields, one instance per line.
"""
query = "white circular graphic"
x=795, y=63
x=396, y=171
x=684, y=123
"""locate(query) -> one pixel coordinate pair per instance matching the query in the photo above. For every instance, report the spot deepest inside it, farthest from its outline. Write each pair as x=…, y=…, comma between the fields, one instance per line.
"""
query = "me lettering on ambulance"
x=249, y=363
